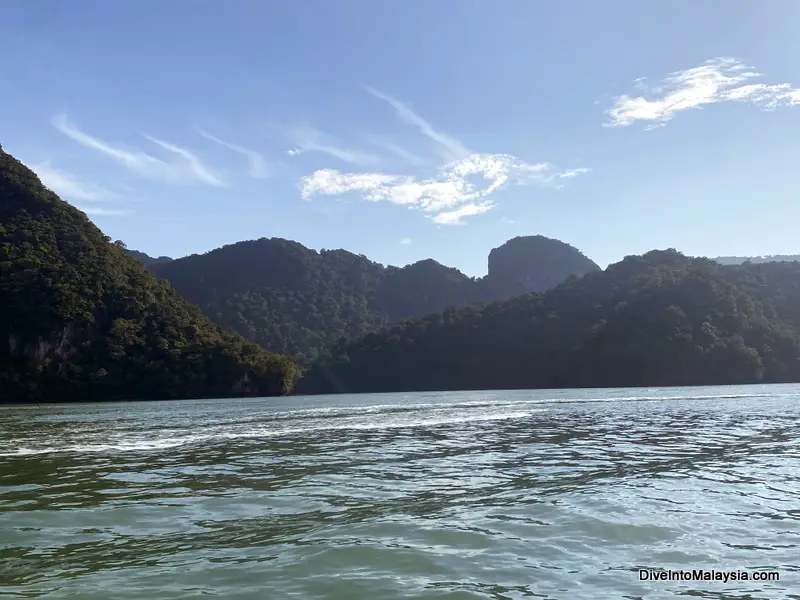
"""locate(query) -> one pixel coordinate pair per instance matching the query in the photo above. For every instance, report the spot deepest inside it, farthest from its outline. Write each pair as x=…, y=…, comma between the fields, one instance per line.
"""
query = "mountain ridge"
x=295, y=300
x=148, y=260
x=84, y=320
x=738, y=260
x=657, y=319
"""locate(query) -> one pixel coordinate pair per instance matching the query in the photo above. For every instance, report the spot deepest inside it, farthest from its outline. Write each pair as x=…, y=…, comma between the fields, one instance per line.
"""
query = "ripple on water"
x=512, y=494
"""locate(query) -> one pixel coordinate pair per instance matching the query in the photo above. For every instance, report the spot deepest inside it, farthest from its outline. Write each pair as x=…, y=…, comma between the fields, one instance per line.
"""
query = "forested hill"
x=146, y=259
x=81, y=320
x=738, y=260
x=651, y=320
x=294, y=300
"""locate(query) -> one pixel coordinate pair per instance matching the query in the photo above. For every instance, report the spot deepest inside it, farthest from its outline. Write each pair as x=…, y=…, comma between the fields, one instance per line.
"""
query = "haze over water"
x=502, y=495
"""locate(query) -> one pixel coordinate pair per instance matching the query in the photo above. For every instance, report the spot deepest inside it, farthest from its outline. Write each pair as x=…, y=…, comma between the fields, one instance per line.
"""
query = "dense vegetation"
x=293, y=300
x=657, y=319
x=146, y=259
x=738, y=260
x=82, y=320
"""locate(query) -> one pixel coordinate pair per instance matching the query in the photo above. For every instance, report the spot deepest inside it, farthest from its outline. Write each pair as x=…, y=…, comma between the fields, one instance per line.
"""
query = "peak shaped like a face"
x=536, y=263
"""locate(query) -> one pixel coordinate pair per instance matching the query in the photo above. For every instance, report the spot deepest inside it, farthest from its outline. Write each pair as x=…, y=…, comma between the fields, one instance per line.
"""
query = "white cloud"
x=453, y=217
x=185, y=167
x=193, y=164
x=308, y=139
x=105, y=212
x=405, y=241
x=449, y=148
x=333, y=183
x=717, y=80
x=258, y=167
x=406, y=155
x=68, y=185
x=458, y=190
x=570, y=173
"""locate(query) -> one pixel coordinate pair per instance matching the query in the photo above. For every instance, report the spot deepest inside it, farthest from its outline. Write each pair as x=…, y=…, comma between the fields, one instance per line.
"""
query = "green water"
x=503, y=495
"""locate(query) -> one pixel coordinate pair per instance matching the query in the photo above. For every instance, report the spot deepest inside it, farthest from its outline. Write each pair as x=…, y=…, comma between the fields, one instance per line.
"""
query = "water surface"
x=468, y=495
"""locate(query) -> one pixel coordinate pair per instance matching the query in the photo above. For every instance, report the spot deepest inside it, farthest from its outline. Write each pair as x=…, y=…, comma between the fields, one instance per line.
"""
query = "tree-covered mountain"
x=738, y=260
x=81, y=320
x=651, y=320
x=146, y=259
x=531, y=264
x=294, y=300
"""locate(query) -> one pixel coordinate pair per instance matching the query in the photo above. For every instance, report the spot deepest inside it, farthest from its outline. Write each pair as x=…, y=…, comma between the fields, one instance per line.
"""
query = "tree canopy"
x=81, y=320
x=652, y=320
x=290, y=299
x=143, y=258
x=738, y=260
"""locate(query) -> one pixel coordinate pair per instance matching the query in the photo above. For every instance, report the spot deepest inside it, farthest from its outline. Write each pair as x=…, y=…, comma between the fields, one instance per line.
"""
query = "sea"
x=568, y=494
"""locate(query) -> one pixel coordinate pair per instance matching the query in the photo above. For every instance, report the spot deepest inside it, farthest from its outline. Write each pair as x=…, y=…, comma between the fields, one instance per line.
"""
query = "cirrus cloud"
x=308, y=139
x=449, y=147
x=70, y=185
x=722, y=79
x=257, y=164
x=458, y=190
x=182, y=166
x=78, y=191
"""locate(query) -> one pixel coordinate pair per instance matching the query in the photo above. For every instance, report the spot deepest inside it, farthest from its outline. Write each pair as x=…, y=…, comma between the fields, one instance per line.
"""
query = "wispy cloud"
x=406, y=155
x=718, y=80
x=78, y=191
x=258, y=167
x=308, y=139
x=453, y=217
x=190, y=161
x=570, y=173
x=94, y=211
x=406, y=242
x=449, y=148
x=183, y=167
x=457, y=191
x=69, y=185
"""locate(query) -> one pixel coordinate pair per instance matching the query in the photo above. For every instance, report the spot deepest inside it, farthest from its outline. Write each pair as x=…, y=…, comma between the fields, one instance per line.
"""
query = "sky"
x=404, y=130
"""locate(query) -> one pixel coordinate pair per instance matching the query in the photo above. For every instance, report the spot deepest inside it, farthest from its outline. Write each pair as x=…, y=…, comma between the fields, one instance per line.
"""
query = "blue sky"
x=407, y=130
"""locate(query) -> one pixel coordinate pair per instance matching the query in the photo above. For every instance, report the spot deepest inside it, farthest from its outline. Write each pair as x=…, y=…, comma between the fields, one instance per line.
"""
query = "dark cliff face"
x=535, y=264
x=421, y=288
x=81, y=320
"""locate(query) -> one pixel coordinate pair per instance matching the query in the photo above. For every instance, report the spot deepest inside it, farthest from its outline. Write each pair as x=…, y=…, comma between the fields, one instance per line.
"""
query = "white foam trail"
x=343, y=411
x=403, y=413
x=162, y=444
x=166, y=443
x=337, y=411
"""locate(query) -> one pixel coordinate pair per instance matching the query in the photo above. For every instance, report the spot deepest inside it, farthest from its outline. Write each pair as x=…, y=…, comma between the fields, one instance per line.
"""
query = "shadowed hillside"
x=738, y=260
x=652, y=320
x=81, y=320
x=290, y=299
